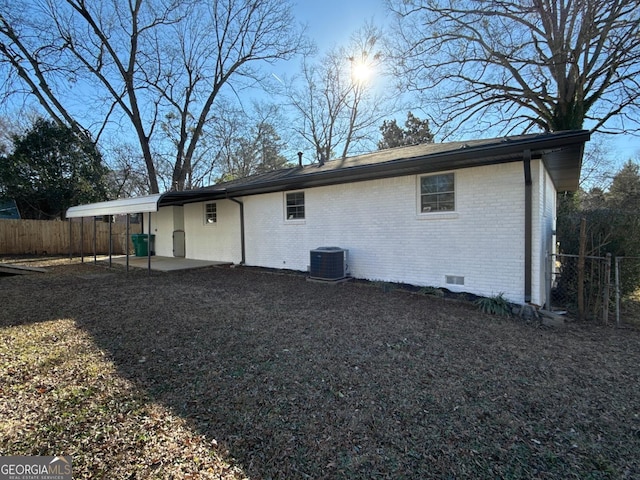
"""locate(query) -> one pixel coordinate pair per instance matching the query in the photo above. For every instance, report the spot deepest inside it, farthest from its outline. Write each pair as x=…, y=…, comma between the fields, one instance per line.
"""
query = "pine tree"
x=415, y=132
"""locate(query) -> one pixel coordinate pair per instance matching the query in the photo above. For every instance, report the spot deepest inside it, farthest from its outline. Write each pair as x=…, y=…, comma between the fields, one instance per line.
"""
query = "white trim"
x=204, y=214
x=440, y=214
x=121, y=206
x=284, y=204
x=437, y=216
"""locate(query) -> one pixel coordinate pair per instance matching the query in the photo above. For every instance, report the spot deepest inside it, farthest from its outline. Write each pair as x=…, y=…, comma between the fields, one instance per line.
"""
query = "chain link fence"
x=578, y=286
x=595, y=288
x=626, y=275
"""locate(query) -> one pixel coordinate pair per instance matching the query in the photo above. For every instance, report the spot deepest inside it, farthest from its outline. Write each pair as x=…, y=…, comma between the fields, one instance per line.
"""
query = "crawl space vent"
x=454, y=280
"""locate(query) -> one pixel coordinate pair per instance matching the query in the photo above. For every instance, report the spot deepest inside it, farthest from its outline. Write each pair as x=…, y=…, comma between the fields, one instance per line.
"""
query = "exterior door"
x=178, y=243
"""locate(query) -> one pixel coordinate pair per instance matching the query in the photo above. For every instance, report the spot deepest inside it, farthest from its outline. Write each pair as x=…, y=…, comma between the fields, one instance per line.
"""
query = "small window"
x=295, y=206
x=454, y=280
x=210, y=213
x=437, y=193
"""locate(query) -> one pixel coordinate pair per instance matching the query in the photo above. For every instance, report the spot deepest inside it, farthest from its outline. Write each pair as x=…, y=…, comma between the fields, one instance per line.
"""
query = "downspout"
x=528, y=223
x=242, y=241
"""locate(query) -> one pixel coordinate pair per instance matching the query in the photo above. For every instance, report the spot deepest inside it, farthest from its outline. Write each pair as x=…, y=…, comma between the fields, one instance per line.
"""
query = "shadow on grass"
x=300, y=380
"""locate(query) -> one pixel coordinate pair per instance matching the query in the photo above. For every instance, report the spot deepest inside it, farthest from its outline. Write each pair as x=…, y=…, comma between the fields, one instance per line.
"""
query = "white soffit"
x=121, y=206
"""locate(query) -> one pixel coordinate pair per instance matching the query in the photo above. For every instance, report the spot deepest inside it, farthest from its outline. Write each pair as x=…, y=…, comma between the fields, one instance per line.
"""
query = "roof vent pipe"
x=300, y=159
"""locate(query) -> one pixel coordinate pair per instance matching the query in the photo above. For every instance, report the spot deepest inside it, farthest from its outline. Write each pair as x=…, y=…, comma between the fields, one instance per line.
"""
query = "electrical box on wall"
x=329, y=263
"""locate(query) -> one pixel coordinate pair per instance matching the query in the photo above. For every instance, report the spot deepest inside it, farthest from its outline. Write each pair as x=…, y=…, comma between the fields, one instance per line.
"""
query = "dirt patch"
x=237, y=373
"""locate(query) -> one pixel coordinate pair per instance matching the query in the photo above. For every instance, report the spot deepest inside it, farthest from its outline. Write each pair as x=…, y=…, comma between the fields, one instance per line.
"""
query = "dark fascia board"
x=561, y=152
x=191, y=196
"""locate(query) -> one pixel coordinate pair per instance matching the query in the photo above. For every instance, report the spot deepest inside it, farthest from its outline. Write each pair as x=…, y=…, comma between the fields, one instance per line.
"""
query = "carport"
x=122, y=206
x=140, y=205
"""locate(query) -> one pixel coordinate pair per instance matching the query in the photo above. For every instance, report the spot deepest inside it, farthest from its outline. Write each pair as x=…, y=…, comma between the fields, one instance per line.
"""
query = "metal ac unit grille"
x=328, y=263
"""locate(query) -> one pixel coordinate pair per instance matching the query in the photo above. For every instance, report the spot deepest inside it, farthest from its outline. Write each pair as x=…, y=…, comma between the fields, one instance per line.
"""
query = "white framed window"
x=210, y=213
x=437, y=193
x=294, y=206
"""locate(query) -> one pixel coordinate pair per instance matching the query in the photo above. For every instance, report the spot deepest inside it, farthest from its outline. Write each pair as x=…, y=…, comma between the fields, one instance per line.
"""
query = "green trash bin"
x=141, y=244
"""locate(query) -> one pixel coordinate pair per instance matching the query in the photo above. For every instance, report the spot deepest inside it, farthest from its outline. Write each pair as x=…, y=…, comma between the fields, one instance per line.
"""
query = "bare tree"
x=334, y=106
x=218, y=41
x=247, y=143
x=597, y=164
x=127, y=176
x=148, y=62
x=523, y=65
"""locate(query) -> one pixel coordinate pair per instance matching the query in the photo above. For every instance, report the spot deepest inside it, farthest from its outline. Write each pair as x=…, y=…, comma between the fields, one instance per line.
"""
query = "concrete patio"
x=162, y=264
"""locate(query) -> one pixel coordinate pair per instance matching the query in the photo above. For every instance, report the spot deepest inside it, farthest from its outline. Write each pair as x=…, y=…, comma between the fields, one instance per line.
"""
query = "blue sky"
x=331, y=22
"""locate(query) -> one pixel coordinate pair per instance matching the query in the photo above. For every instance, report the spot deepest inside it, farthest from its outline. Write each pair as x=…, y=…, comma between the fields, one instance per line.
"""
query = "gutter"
x=498, y=152
x=242, y=239
x=502, y=152
x=528, y=223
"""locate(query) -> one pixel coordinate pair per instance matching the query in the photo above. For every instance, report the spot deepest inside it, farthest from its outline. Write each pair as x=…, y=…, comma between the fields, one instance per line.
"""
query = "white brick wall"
x=544, y=224
x=218, y=241
x=161, y=223
x=387, y=238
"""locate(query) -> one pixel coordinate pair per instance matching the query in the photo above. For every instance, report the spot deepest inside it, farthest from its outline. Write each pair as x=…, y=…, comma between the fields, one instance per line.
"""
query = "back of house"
x=475, y=216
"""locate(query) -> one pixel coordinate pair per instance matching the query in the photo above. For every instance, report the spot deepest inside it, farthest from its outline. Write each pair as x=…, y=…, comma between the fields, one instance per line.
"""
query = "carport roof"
x=120, y=206
x=560, y=151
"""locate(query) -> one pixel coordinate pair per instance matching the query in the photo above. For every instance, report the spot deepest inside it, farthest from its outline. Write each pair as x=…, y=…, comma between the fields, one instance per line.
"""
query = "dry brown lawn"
x=239, y=373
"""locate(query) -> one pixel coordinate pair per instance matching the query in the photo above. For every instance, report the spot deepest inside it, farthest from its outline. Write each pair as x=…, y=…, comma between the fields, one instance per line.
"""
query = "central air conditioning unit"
x=329, y=263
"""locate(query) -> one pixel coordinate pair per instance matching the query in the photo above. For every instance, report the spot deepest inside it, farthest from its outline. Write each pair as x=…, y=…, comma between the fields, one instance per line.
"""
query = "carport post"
x=110, y=238
x=81, y=239
x=149, y=246
x=126, y=243
x=95, y=240
x=70, y=240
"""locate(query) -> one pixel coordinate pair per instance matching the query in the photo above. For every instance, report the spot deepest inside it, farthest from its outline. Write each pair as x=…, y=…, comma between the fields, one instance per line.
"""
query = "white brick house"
x=476, y=216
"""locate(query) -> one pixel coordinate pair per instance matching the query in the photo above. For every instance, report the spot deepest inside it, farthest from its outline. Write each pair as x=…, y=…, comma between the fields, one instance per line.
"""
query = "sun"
x=361, y=71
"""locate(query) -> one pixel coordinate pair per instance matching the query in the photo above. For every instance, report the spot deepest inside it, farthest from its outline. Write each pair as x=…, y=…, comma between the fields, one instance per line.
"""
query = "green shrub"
x=436, y=292
x=496, y=305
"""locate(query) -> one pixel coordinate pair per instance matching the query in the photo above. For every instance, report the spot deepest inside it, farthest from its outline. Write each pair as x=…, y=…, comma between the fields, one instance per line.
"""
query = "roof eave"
x=561, y=152
x=564, y=169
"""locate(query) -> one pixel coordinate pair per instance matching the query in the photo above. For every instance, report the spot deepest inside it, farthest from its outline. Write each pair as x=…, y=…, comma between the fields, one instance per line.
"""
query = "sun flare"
x=361, y=72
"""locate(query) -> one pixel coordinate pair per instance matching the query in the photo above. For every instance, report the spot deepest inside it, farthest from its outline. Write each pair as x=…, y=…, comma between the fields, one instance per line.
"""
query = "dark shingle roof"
x=561, y=151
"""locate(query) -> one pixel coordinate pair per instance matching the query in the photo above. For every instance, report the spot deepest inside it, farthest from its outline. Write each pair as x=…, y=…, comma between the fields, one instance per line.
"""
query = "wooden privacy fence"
x=51, y=237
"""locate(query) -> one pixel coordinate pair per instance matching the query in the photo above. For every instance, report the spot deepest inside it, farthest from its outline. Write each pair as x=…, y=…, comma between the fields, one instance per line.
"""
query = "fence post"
x=607, y=283
x=581, y=260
